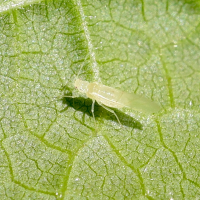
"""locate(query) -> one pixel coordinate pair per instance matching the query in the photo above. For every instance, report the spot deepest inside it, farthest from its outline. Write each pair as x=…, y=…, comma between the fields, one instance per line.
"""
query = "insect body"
x=115, y=98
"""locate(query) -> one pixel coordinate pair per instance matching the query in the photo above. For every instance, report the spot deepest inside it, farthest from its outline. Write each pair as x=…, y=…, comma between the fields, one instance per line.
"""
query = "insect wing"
x=117, y=99
x=139, y=103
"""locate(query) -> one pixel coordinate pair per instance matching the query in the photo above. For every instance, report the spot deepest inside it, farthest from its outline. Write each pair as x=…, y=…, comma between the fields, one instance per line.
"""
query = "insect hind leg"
x=112, y=111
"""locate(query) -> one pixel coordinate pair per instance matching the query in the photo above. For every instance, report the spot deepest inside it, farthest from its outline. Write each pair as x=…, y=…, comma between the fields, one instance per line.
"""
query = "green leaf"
x=51, y=147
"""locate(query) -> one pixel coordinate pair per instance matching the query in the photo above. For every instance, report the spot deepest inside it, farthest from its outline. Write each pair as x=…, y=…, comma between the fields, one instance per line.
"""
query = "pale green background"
x=50, y=148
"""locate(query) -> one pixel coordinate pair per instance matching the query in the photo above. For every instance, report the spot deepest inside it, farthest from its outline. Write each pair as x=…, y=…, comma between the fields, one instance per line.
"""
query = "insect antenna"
x=81, y=67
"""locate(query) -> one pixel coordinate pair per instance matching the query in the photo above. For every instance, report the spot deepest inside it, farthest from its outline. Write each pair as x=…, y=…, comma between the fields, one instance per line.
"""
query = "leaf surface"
x=51, y=147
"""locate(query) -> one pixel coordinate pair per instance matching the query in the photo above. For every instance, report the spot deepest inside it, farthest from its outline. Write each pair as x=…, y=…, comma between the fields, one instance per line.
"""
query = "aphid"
x=111, y=97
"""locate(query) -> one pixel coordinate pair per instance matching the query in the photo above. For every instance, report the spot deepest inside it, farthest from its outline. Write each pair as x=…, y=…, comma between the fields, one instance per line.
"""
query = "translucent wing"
x=139, y=103
x=116, y=98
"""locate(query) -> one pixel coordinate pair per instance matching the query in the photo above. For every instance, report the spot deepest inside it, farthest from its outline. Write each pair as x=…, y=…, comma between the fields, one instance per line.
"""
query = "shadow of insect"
x=84, y=105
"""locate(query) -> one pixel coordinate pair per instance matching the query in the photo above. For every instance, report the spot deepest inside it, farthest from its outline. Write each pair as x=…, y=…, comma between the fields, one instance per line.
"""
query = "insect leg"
x=92, y=109
x=70, y=96
x=112, y=111
x=60, y=97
